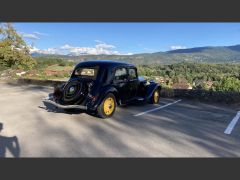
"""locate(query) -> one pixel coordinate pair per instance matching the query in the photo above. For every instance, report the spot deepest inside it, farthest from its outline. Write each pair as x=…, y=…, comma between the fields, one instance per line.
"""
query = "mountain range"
x=209, y=54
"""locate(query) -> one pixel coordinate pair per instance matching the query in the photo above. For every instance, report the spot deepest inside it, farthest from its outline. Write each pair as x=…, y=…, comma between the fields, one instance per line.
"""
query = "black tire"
x=101, y=112
x=153, y=99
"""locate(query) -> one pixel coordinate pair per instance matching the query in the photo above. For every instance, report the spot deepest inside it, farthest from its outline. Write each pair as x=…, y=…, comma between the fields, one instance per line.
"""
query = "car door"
x=133, y=82
x=120, y=82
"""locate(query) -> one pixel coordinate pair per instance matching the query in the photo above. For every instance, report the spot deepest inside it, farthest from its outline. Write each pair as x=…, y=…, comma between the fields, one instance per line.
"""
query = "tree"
x=228, y=84
x=14, y=52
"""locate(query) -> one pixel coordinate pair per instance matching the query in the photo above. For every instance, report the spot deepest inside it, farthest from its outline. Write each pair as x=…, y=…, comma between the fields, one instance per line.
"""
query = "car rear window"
x=87, y=72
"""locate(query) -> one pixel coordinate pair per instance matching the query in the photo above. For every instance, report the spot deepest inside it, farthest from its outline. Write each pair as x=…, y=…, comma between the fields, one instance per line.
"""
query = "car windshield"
x=87, y=72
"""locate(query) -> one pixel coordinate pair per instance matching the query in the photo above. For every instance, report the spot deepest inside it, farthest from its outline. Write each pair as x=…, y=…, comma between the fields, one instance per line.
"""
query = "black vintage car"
x=99, y=86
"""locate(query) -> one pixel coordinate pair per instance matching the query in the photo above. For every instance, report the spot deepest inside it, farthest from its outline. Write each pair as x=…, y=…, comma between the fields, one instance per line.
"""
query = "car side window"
x=132, y=73
x=120, y=74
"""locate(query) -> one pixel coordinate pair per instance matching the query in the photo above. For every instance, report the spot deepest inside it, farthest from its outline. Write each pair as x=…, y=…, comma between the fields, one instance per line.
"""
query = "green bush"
x=228, y=84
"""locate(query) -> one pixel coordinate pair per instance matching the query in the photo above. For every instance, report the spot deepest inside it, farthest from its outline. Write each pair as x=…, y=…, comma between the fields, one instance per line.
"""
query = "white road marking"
x=232, y=124
x=161, y=107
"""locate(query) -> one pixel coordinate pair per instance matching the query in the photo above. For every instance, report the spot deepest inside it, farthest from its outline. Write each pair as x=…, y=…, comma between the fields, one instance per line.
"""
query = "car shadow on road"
x=9, y=143
x=51, y=108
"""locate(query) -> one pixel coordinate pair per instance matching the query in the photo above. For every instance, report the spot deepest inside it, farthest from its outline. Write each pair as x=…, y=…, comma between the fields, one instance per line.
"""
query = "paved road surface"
x=182, y=129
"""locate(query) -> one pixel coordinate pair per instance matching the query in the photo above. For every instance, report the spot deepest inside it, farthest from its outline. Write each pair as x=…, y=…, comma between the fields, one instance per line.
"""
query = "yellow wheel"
x=155, y=97
x=107, y=107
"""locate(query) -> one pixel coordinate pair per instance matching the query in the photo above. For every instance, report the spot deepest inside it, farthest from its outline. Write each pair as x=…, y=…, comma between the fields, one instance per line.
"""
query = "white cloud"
x=128, y=53
x=98, y=49
x=39, y=33
x=98, y=41
x=34, y=49
x=50, y=51
x=101, y=48
x=177, y=47
x=66, y=46
x=30, y=36
x=34, y=36
x=105, y=46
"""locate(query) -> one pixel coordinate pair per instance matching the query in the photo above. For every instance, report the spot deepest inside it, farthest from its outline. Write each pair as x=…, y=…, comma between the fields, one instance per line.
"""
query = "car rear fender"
x=104, y=92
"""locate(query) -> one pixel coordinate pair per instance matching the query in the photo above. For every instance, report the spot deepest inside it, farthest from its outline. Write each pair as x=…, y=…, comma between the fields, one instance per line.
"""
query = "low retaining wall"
x=212, y=96
x=40, y=82
x=35, y=82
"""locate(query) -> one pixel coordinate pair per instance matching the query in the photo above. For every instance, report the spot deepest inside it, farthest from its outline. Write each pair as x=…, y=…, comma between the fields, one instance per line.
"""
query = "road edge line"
x=161, y=107
x=232, y=124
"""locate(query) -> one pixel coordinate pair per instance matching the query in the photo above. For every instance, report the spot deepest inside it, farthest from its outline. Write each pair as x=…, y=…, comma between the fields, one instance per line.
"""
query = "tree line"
x=216, y=77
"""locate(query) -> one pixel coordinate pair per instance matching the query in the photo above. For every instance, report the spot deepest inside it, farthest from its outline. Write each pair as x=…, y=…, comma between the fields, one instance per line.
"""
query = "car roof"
x=104, y=63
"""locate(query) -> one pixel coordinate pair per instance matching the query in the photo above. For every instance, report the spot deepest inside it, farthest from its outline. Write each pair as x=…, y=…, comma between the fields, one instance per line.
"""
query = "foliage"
x=228, y=84
x=43, y=62
x=14, y=53
x=50, y=68
x=216, y=77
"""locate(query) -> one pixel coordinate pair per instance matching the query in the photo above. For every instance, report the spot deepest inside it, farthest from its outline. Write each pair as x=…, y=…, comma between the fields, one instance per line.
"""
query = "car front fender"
x=151, y=88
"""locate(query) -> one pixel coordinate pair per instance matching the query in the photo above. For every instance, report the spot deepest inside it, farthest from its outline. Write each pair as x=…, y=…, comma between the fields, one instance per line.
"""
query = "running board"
x=133, y=99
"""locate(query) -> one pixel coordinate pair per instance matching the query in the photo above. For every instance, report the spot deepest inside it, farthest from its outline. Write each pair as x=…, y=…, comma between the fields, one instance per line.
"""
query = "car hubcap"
x=108, y=106
x=156, y=96
x=71, y=90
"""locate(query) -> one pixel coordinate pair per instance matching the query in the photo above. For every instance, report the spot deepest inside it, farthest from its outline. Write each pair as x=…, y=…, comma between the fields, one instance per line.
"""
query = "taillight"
x=93, y=98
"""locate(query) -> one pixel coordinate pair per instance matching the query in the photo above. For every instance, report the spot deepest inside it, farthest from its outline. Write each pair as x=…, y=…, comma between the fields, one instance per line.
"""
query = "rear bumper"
x=65, y=106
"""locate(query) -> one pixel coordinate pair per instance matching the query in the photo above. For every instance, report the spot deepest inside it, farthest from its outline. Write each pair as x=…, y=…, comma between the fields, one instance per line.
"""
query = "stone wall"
x=22, y=81
x=213, y=96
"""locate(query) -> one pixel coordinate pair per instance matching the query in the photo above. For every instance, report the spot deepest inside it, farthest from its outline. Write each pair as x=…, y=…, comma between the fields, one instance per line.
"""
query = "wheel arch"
x=151, y=88
x=106, y=91
x=107, y=108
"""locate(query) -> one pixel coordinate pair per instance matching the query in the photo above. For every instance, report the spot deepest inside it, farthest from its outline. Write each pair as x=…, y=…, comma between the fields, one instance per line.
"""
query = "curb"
x=35, y=82
x=226, y=97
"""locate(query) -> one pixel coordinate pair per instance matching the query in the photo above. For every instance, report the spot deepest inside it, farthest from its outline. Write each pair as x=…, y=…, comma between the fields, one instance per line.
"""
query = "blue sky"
x=125, y=38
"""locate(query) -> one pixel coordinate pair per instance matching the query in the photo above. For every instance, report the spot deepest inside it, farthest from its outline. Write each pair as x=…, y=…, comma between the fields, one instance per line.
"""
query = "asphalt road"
x=183, y=128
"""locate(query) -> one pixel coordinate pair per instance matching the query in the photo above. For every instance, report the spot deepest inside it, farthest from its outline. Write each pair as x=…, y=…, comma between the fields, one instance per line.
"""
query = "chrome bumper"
x=65, y=106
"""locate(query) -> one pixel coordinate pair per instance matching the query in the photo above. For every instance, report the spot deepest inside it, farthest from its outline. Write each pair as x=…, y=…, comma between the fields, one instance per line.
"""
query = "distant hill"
x=218, y=54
